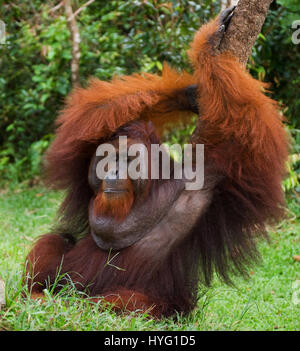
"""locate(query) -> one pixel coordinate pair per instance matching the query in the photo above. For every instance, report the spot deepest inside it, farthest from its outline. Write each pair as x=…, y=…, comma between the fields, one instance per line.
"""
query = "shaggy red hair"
x=245, y=147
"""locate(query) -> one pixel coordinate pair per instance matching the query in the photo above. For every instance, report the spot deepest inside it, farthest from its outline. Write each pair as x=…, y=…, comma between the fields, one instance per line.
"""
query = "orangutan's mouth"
x=111, y=190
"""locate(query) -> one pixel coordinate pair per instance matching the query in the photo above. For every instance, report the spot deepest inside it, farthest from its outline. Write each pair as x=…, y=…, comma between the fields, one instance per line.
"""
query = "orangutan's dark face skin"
x=124, y=211
x=112, y=187
x=135, y=215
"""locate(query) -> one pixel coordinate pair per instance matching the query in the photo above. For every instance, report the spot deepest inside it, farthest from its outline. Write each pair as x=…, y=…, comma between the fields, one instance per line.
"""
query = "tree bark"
x=75, y=41
x=246, y=24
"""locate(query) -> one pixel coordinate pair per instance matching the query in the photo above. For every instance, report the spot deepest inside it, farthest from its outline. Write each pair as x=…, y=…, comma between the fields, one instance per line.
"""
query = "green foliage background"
x=118, y=37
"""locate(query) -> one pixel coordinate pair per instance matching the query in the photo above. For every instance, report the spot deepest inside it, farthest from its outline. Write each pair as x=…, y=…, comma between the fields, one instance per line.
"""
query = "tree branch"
x=57, y=7
x=80, y=9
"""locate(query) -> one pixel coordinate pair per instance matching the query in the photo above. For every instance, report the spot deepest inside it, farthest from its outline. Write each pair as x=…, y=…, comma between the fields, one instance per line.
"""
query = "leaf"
x=159, y=65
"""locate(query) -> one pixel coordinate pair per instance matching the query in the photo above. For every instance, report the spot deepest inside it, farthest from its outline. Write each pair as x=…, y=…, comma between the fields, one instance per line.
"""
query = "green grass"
x=262, y=303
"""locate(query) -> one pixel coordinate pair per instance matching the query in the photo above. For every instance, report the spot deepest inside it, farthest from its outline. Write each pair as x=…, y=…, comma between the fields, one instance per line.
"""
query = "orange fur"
x=96, y=112
x=116, y=206
x=234, y=107
x=130, y=301
x=242, y=128
x=44, y=251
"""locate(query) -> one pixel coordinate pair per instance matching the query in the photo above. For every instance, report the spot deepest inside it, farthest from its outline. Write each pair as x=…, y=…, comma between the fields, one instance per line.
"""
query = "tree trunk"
x=75, y=41
x=246, y=24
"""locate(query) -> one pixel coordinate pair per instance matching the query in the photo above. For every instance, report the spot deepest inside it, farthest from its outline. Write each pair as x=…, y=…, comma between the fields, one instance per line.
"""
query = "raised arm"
x=245, y=142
